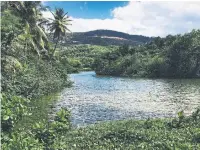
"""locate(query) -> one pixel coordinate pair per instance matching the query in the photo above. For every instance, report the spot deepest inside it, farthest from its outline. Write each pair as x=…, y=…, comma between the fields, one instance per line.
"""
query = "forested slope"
x=106, y=38
x=29, y=71
x=173, y=56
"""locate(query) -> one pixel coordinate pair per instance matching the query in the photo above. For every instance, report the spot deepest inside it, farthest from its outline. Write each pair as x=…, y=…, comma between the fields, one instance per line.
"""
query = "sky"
x=146, y=18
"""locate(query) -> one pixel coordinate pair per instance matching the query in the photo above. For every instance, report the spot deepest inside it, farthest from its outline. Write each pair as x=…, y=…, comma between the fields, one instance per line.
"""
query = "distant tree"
x=58, y=26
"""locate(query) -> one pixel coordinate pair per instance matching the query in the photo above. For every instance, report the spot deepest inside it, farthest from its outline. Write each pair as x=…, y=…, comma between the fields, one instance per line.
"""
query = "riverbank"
x=180, y=133
x=163, y=134
x=39, y=111
x=135, y=76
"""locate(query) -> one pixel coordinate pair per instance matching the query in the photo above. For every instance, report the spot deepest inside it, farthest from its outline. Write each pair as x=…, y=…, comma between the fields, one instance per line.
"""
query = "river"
x=101, y=98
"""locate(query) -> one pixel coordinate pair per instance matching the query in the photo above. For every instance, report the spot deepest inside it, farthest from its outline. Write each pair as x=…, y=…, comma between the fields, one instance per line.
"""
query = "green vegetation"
x=59, y=25
x=41, y=135
x=81, y=57
x=39, y=110
x=163, y=134
x=28, y=72
x=33, y=68
x=173, y=56
x=182, y=133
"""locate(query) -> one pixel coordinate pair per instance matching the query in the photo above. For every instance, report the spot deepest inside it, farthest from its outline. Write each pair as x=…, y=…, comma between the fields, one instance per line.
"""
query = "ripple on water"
x=97, y=98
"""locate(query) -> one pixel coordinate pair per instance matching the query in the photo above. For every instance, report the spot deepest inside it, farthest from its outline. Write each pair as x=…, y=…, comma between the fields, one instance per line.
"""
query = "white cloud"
x=145, y=18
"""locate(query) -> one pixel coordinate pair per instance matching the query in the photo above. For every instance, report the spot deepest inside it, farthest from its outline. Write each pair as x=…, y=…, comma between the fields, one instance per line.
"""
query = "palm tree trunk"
x=55, y=46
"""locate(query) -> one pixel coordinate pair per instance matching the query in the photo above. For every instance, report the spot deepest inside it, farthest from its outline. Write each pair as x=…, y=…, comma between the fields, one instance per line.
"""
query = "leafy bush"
x=61, y=122
x=42, y=135
x=46, y=133
x=155, y=67
x=22, y=141
x=12, y=110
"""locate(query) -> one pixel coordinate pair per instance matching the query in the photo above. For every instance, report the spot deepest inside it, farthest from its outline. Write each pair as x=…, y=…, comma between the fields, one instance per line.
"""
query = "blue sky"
x=149, y=18
x=87, y=9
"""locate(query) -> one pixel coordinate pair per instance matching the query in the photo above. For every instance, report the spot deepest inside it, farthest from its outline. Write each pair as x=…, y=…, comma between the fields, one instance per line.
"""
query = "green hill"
x=106, y=37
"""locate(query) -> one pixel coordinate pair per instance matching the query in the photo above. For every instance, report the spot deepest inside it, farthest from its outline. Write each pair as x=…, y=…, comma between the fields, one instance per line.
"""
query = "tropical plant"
x=13, y=108
x=31, y=16
x=58, y=25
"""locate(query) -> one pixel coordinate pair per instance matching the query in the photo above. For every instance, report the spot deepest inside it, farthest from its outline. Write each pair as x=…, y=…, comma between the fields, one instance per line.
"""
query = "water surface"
x=101, y=98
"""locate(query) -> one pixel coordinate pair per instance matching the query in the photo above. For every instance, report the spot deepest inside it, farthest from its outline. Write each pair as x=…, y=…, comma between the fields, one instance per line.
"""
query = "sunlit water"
x=99, y=98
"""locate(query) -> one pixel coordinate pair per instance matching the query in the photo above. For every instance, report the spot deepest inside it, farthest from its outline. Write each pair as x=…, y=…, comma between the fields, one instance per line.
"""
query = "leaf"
x=27, y=28
x=37, y=125
x=12, y=63
x=41, y=42
x=6, y=117
x=180, y=114
x=34, y=46
x=43, y=34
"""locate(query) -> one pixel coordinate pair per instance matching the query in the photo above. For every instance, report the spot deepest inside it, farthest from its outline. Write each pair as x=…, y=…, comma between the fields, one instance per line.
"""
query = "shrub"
x=12, y=110
x=20, y=141
x=155, y=67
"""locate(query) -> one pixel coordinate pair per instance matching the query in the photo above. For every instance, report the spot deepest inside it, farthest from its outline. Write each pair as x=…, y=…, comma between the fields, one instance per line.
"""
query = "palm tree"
x=59, y=25
x=30, y=13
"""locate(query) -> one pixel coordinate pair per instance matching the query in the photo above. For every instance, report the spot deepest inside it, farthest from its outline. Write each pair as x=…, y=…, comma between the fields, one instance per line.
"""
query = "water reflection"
x=100, y=98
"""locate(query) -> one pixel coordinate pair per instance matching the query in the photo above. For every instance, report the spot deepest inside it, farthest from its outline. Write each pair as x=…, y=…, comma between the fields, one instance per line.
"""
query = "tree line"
x=173, y=56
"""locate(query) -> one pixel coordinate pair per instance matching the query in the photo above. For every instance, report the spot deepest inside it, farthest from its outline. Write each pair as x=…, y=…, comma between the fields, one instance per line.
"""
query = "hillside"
x=173, y=56
x=106, y=37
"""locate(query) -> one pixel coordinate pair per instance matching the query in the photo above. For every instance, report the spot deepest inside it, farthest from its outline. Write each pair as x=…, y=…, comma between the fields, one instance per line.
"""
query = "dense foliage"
x=41, y=135
x=181, y=133
x=27, y=71
x=173, y=56
x=33, y=67
x=81, y=57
